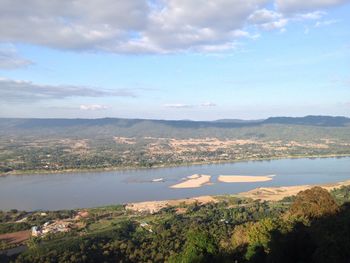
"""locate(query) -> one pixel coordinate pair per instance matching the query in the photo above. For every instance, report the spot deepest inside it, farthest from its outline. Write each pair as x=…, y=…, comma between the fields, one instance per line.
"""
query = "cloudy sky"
x=174, y=59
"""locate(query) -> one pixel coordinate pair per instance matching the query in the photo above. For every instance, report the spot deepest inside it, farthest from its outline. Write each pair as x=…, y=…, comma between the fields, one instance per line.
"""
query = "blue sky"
x=174, y=59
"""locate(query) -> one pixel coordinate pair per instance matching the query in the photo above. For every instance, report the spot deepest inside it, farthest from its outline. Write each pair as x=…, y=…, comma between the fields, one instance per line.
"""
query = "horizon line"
x=189, y=120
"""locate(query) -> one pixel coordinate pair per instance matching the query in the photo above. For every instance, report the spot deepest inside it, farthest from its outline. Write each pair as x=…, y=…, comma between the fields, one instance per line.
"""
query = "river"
x=92, y=189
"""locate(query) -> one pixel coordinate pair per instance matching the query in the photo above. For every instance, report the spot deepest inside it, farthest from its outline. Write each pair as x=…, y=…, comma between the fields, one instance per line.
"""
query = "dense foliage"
x=314, y=203
x=314, y=228
x=63, y=144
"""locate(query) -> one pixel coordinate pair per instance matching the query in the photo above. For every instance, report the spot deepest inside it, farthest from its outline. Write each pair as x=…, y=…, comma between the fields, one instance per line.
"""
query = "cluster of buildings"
x=58, y=226
x=51, y=227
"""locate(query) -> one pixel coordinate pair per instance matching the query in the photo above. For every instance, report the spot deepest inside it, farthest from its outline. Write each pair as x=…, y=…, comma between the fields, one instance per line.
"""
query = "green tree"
x=200, y=247
x=314, y=203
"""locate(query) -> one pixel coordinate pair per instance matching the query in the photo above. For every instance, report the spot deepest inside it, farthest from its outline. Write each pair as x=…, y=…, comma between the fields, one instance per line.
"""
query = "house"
x=36, y=231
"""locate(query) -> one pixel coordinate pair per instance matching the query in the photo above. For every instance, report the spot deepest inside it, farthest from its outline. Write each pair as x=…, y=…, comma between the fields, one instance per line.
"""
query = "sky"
x=174, y=59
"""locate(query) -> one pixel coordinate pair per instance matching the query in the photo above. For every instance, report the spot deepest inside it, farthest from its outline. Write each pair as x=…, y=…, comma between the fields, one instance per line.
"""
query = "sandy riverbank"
x=136, y=167
x=155, y=206
x=262, y=193
x=244, y=179
x=278, y=193
x=193, y=181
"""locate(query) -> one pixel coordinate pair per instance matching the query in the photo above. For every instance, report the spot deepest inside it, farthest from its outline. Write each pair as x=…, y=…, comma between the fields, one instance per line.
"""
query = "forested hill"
x=310, y=120
x=18, y=124
x=59, y=144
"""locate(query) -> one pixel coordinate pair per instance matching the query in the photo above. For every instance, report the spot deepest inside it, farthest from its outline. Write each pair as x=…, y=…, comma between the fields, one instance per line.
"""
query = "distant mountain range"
x=32, y=144
x=21, y=123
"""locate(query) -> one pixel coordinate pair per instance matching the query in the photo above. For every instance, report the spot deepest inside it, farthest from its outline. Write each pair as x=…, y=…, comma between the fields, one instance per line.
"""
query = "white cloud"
x=325, y=23
x=312, y=15
x=178, y=106
x=298, y=6
x=208, y=104
x=20, y=91
x=10, y=59
x=147, y=26
x=93, y=107
x=135, y=26
x=263, y=16
x=268, y=20
x=66, y=24
x=184, y=106
x=279, y=24
x=215, y=24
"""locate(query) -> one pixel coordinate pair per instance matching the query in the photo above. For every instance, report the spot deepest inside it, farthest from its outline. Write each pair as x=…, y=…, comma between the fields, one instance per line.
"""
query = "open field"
x=16, y=237
x=34, y=145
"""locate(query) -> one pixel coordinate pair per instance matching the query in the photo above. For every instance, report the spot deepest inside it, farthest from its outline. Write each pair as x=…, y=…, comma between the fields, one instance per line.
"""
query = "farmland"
x=33, y=145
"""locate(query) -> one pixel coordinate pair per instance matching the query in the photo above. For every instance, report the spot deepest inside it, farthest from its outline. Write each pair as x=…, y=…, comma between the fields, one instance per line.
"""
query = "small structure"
x=81, y=214
x=36, y=231
x=144, y=224
x=55, y=227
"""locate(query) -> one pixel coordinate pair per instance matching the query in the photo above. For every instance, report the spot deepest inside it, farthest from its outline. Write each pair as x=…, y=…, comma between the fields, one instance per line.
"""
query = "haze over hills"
x=59, y=144
x=32, y=123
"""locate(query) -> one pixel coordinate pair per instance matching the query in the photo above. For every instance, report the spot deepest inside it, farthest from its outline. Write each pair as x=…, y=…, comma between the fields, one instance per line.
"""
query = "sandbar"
x=244, y=178
x=193, y=181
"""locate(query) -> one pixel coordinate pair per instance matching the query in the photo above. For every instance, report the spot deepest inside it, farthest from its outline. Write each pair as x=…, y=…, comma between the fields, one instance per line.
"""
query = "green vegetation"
x=312, y=226
x=231, y=230
x=13, y=221
x=36, y=145
x=314, y=203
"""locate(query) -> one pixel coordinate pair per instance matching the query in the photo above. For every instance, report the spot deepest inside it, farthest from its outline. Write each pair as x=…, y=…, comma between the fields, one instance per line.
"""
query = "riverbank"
x=278, y=193
x=130, y=168
x=155, y=206
x=261, y=193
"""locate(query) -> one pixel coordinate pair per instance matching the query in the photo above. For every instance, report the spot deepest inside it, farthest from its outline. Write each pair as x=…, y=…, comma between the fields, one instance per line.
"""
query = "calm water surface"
x=77, y=190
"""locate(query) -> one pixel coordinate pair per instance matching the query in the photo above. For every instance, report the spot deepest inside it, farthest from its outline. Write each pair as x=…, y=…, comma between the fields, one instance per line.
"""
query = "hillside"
x=61, y=144
x=21, y=125
x=311, y=226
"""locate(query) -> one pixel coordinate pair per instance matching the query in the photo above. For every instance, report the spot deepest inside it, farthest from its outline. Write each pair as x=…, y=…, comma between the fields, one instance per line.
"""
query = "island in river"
x=193, y=181
x=244, y=178
x=199, y=180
